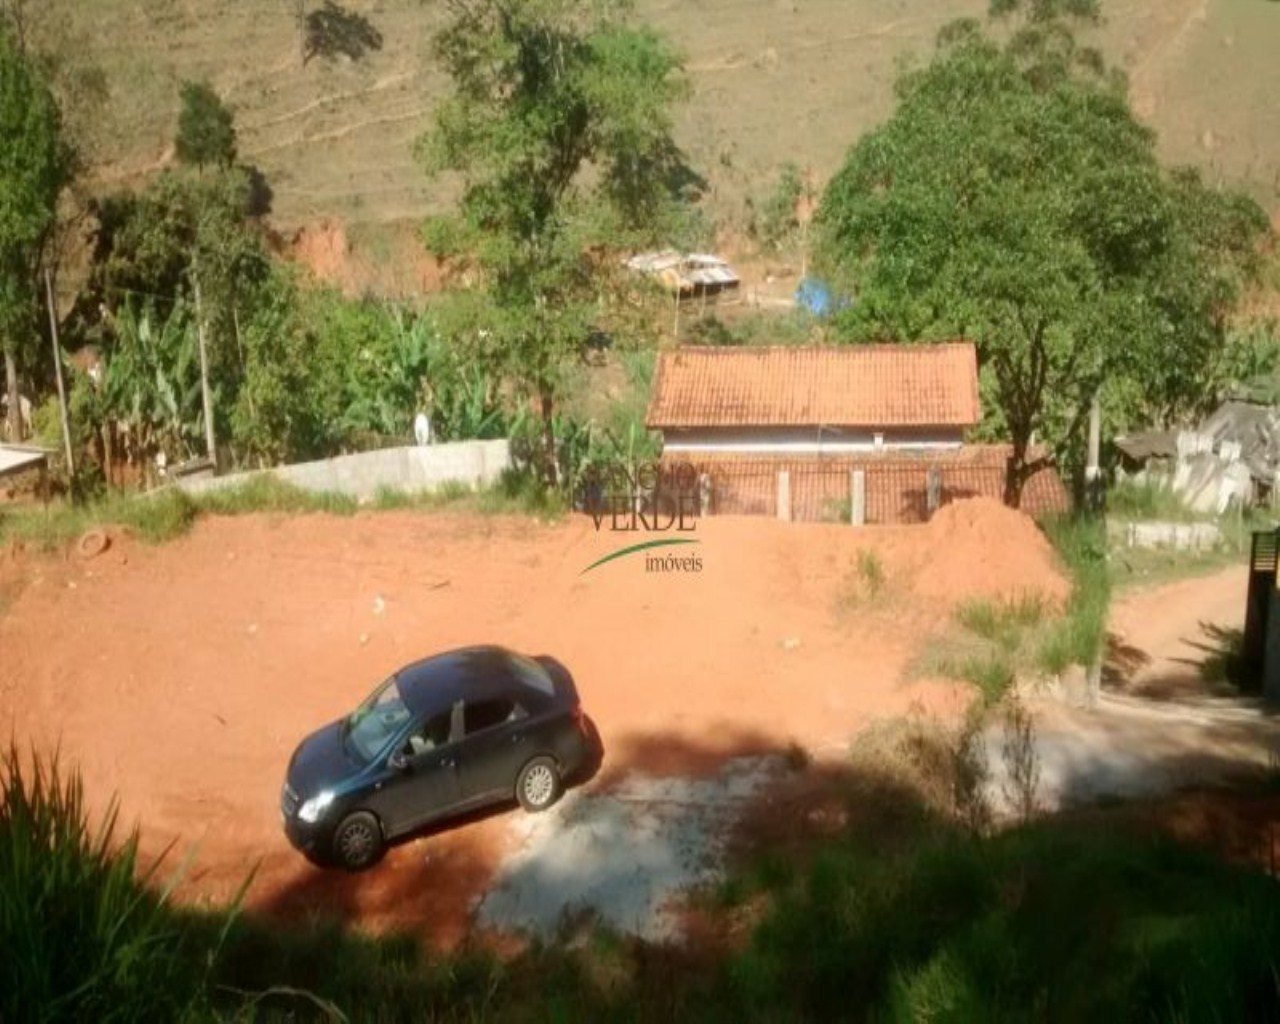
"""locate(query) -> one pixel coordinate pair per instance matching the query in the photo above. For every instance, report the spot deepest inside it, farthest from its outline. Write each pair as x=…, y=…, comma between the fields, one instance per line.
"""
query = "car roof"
x=477, y=673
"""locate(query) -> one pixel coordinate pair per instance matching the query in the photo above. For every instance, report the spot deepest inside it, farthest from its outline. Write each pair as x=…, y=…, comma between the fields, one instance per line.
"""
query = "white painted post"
x=858, y=497
x=933, y=489
x=784, y=495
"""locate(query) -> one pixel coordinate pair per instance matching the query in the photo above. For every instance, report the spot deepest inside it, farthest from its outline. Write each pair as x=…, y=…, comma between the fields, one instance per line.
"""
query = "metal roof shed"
x=18, y=458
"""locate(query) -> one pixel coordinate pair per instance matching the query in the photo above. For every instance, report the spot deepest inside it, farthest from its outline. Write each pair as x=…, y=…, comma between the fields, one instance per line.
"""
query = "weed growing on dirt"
x=870, y=573
x=168, y=514
x=1021, y=760
x=1004, y=639
x=865, y=584
x=267, y=493
x=522, y=494
x=1004, y=623
x=450, y=493
x=1078, y=637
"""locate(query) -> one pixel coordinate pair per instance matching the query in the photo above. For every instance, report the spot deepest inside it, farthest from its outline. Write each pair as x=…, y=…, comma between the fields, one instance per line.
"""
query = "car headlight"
x=313, y=808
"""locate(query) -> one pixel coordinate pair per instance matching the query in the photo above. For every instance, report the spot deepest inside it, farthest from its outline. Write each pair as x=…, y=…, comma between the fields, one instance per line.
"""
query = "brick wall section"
x=896, y=484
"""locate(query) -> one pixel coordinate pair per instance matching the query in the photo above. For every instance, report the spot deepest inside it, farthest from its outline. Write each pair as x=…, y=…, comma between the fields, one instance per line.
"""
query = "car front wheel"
x=357, y=841
x=538, y=785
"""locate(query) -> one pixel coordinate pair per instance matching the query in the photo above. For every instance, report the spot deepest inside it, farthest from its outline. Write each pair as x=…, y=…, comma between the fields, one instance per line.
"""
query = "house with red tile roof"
x=898, y=413
x=811, y=401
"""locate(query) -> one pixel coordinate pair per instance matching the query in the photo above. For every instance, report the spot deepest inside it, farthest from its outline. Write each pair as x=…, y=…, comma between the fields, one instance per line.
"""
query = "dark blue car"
x=441, y=737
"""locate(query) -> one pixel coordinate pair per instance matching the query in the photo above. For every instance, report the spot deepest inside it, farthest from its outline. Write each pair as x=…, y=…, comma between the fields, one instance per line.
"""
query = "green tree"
x=559, y=126
x=1013, y=199
x=34, y=167
x=154, y=245
x=206, y=128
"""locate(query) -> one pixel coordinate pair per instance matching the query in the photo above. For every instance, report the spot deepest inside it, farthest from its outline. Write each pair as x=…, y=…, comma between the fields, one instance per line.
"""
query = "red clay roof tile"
x=893, y=385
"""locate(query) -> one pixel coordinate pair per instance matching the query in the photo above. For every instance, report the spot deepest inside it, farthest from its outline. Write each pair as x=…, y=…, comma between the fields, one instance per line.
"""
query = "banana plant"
x=151, y=384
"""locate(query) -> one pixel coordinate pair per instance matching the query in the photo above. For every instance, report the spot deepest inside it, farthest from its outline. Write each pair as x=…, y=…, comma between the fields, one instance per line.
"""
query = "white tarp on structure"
x=18, y=459
x=686, y=272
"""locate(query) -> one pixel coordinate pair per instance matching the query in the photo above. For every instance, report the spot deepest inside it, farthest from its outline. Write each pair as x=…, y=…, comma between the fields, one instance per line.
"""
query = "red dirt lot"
x=181, y=677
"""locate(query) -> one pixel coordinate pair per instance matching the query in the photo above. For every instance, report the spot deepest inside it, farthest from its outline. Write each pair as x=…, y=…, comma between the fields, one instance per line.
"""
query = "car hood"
x=320, y=761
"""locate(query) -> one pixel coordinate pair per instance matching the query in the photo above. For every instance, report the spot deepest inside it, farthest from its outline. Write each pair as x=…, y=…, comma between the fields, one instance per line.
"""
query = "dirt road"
x=1163, y=721
x=1162, y=636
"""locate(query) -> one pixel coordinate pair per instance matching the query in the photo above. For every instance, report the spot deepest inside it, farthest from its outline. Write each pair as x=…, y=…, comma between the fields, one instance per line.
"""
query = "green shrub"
x=83, y=936
x=1080, y=636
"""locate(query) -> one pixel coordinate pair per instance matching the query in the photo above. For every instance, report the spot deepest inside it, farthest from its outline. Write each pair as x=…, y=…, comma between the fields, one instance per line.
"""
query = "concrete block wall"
x=475, y=463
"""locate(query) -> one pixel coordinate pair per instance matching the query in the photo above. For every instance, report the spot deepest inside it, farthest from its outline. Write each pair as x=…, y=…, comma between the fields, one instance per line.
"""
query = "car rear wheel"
x=357, y=841
x=538, y=785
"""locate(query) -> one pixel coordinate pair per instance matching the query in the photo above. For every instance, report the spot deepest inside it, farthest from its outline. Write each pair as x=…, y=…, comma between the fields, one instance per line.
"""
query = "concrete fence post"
x=933, y=489
x=784, y=495
x=704, y=494
x=858, y=497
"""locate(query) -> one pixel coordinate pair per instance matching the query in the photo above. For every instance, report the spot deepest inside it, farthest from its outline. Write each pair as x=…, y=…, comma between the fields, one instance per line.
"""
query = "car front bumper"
x=303, y=837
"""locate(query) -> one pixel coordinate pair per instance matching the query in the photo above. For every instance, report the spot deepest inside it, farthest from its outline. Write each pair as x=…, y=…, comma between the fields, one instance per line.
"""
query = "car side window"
x=432, y=733
x=485, y=714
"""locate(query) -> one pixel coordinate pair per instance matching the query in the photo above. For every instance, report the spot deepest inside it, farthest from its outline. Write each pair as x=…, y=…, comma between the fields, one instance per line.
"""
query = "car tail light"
x=580, y=720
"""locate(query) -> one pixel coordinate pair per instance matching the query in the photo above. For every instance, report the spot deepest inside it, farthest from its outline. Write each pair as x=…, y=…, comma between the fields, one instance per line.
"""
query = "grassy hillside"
x=774, y=80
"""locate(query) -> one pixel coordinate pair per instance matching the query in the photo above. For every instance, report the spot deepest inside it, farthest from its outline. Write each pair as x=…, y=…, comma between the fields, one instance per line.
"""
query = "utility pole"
x=1093, y=499
x=1093, y=470
x=210, y=441
x=57, y=371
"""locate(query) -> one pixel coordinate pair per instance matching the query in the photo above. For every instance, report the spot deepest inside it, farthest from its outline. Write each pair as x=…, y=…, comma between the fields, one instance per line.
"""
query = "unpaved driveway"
x=1159, y=724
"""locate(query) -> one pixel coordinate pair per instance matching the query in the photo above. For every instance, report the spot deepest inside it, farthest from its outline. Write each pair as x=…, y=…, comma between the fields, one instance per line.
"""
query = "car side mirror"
x=397, y=761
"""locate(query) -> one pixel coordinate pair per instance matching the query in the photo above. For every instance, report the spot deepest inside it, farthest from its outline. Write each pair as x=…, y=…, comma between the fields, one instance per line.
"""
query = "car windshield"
x=372, y=725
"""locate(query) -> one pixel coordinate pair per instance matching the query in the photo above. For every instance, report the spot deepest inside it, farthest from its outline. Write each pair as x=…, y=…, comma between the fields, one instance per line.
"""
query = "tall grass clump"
x=82, y=935
x=163, y=517
x=267, y=493
x=1079, y=637
x=1003, y=623
x=1151, y=499
x=521, y=492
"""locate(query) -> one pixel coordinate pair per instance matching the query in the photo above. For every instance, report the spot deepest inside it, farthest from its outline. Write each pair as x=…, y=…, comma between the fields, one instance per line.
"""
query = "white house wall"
x=808, y=441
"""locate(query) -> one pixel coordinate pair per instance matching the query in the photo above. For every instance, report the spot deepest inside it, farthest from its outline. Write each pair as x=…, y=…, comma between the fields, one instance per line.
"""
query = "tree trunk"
x=1016, y=473
x=15, y=399
x=548, y=440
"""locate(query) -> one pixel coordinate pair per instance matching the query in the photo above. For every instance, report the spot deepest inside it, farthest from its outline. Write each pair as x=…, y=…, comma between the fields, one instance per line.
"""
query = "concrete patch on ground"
x=625, y=854
x=1130, y=748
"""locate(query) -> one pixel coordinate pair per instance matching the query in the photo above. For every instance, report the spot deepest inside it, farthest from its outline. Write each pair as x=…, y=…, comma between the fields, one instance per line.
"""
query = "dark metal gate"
x=1262, y=585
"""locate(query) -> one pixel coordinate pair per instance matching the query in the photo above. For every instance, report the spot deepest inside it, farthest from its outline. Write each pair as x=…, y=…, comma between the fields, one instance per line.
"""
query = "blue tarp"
x=815, y=296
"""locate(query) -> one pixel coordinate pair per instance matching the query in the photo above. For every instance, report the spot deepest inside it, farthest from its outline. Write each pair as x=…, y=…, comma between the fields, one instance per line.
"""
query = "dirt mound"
x=979, y=548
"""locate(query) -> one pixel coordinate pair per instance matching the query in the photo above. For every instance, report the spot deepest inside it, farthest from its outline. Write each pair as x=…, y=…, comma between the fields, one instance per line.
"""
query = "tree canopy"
x=206, y=127
x=1014, y=199
x=559, y=127
x=34, y=164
